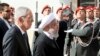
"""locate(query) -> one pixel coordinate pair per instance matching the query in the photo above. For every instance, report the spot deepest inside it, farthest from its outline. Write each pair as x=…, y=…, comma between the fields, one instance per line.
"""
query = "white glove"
x=36, y=29
x=69, y=31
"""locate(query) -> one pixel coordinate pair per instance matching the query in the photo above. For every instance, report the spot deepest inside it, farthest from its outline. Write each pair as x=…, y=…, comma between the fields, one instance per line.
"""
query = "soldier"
x=45, y=11
x=97, y=18
x=59, y=13
x=96, y=12
x=67, y=17
x=82, y=32
x=89, y=14
x=97, y=23
x=93, y=48
x=62, y=26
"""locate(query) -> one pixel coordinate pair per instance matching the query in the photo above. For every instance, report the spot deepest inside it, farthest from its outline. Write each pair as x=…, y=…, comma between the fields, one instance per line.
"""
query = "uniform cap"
x=60, y=8
x=66, y=10
x=46, y=6
x=80, y=8
x=90, y=8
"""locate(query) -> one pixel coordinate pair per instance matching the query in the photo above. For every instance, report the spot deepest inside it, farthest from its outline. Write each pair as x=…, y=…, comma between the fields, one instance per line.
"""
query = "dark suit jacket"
x=14, y=43
x=3, y=29
x=45, y=46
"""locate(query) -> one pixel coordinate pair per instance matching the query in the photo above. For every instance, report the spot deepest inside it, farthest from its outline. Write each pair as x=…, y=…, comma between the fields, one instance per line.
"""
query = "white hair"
x=21, y=12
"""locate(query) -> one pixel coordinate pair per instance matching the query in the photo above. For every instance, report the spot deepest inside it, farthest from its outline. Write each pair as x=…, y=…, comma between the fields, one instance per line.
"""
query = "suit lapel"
x=21, y=40
x=3, y=24
x=51, y=41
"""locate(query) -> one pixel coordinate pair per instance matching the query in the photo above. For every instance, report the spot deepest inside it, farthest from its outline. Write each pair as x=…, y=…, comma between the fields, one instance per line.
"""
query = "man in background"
x=4, y=24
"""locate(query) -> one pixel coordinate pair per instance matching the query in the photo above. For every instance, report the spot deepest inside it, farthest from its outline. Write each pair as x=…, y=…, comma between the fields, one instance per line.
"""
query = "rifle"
x=36, y=15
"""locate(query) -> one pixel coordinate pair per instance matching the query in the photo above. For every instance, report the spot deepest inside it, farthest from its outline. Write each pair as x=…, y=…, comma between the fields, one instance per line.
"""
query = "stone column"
x=74, y=4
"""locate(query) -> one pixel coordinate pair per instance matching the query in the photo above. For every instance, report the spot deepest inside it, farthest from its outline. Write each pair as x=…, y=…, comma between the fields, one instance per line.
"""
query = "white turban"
x=47, y=20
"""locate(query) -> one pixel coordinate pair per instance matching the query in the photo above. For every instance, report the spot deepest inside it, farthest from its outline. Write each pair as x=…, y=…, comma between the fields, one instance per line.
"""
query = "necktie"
x=25, y=39
x=25, y=36
x=26, y=42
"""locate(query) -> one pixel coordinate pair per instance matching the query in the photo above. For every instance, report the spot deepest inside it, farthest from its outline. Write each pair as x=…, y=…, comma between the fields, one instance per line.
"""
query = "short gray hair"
x=21, y=12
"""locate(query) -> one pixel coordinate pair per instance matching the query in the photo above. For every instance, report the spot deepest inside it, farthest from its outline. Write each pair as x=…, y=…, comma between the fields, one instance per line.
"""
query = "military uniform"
x=83, y=30
x=83, y=34
x=93, y=48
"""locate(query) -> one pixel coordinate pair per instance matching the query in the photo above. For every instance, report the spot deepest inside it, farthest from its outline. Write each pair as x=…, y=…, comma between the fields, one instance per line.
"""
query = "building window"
x=88, y=2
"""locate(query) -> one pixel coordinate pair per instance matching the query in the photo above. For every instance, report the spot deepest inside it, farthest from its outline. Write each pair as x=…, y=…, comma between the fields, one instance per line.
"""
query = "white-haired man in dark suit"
x=15, y=43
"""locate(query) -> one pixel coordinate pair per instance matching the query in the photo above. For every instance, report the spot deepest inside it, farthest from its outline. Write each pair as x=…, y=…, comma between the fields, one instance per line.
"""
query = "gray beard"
x=53, y=33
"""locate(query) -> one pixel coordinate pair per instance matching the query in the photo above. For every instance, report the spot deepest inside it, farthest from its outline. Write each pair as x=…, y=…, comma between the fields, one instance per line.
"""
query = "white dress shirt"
x=21, y=30
x=49, y=35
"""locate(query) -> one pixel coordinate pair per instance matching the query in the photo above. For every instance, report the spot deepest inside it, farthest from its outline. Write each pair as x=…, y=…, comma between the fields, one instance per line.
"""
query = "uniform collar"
x=79, y=21
x=89, y=20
